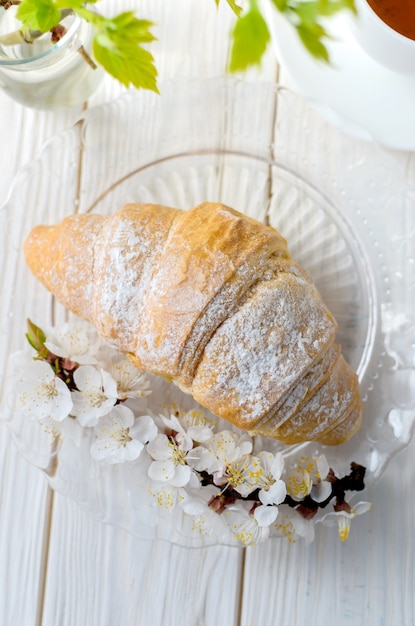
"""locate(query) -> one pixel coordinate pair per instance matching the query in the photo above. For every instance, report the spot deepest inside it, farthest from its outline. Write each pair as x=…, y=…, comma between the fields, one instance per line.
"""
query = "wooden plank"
x=101, y=575
x=24, y=494
x=368, y=579
x=24, y=505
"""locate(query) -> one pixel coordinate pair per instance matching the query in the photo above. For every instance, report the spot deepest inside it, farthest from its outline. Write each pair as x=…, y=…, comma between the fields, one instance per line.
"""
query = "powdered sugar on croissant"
x=211, y=300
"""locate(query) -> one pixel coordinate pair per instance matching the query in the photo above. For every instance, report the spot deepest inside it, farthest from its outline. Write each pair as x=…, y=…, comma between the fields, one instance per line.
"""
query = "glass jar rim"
x=6, y=62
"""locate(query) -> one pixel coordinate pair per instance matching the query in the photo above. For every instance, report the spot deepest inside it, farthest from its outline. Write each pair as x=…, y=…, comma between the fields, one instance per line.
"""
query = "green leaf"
x=313, y=9
x=117, y=47
x=36, y=337
x=73, y=4
x=39, y=15
x=281, y=5
x=330, y=7
x=308, y=11
x=312, y=39
x=305, y=17
x=129, y=27
x=137, y=70
x=234, y=6
x=250, y=38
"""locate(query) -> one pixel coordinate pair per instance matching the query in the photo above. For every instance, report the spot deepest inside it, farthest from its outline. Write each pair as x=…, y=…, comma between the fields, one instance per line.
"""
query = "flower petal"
x=184, y=441
x=266, y=515
x=203, y=459
x=273, y=465
x=101, y=451
x=144, y=429
x=361, y=507
x=343, y=525
x=194, y=507
x=109, y=384
x=162, y=471
x=321, y=491
x=322, y=466
x=132, y=450
x=245, y=447
x=159, y=449
x=200, y=434
x=87, y=377
x=275, y=494
x=62, y=403
x=181, y=476
x=123, y=415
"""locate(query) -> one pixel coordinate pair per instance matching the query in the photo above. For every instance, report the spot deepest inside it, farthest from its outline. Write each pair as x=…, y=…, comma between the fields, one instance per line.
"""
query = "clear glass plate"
x=344, y=207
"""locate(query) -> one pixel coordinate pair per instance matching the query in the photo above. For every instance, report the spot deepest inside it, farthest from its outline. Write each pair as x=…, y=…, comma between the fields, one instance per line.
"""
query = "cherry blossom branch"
x=308, y=507
x=189, y=458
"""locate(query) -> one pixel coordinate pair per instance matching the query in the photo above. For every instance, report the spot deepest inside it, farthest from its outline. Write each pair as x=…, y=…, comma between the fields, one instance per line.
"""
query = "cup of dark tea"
x=385, y=29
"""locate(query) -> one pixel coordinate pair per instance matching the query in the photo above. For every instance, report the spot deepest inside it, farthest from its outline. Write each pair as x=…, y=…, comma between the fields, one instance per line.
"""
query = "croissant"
x=211, y=300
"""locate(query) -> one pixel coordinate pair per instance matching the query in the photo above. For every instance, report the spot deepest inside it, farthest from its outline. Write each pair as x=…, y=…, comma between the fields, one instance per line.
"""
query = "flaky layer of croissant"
x=211, y=300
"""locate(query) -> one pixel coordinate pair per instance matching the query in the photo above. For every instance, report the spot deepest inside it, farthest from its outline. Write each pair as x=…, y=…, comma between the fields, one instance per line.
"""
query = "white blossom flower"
x=205, y=519
x=322, y=468
x=68, y=429
x=343, y=518
x=166, y=495
x=197, y=501
x=131, y=382
x=309, y=479
x=223, y=448
x=41, y=394
x=226, y=456
x=170, y=461
x=272, y=488
x=241, y=474
x=244, y=525
x=293, y=526
x=121, y=437
x=192, y=425
x=197, y=425
x=76, y=342
x=96, y=396
x=318, y=468
x=299, y=484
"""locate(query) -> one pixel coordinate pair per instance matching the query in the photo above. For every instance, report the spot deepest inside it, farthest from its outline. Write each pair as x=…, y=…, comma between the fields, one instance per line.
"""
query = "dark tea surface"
x=398, y=14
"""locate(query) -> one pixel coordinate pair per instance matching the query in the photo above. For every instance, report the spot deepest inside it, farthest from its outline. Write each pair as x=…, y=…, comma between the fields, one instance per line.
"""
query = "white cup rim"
x=382, y=24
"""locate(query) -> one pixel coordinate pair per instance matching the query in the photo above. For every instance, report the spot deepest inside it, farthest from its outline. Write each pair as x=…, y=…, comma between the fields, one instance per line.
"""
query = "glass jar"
x=43, y=74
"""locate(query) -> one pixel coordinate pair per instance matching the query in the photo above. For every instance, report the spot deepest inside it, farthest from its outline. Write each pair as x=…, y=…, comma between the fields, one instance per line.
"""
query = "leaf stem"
x=84, y=54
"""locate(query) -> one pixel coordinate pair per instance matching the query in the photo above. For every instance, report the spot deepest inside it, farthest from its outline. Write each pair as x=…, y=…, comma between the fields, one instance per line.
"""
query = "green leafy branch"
x=117, y=42
x=250, y=36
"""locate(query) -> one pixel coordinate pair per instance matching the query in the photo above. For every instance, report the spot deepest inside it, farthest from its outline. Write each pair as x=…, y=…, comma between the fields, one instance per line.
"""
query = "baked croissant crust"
x=211, y=300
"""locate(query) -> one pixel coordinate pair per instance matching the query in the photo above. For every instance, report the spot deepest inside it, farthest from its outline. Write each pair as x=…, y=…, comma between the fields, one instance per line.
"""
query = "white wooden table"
x=59, y=567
